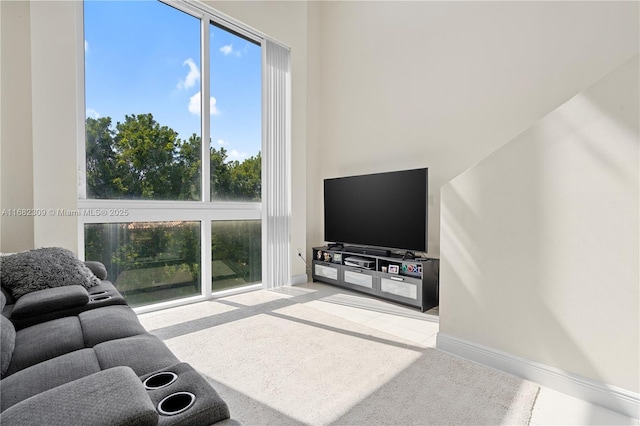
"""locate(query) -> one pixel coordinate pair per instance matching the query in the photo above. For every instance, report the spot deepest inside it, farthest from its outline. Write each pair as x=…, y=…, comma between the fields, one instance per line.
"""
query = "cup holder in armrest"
x=176, y=403
x=160, y=380
x=100, y=298
x=97, y=293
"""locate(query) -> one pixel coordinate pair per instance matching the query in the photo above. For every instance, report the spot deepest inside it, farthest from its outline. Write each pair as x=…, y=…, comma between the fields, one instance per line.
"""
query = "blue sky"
x=144, y=57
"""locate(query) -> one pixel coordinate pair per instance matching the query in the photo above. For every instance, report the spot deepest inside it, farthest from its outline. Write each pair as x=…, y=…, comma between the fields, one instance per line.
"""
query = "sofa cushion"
x=45, y=341
x=144, y=354
x=38, y=269
x=109, y=323
x=113, y=397
x=7, y=344
x=48, y=300
x=47, y=375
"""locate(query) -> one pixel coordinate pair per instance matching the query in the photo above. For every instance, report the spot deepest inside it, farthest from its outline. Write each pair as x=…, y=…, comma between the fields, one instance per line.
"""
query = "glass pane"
x=142, y=94
x=236, y=117
x=148, y=262
x=236, y=253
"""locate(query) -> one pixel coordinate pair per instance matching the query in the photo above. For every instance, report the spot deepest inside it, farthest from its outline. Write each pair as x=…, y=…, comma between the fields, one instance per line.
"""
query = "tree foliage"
x=101, y=158
x=141, y=159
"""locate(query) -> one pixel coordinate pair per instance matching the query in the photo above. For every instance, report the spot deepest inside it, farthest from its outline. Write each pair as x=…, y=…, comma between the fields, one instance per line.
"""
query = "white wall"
x=16, y=170
x=443, y=84
x=540, y=251
x=54, y=76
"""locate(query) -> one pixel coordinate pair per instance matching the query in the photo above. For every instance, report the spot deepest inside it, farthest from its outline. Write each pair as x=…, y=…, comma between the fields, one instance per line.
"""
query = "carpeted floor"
x=278, y=361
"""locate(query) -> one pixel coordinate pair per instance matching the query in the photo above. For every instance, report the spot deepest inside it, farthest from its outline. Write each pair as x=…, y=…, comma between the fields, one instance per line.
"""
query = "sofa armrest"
x=111, y=397
x=49, y=300
x=103, y=294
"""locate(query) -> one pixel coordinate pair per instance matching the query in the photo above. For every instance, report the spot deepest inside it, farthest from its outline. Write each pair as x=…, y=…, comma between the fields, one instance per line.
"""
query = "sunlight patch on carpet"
x=296, y=364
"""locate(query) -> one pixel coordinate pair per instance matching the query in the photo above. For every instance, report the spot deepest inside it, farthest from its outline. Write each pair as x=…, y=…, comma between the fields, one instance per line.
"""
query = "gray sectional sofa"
x=77, y=355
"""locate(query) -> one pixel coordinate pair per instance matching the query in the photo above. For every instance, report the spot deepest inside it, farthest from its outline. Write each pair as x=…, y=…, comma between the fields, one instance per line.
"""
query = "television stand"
x=410, y=281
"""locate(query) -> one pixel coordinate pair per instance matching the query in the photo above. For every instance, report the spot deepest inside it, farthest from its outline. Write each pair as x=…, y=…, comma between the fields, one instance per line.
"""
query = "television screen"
x=386, y=210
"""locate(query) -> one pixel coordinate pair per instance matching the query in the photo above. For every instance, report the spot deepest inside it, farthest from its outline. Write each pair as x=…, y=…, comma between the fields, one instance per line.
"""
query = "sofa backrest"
x=7, y=338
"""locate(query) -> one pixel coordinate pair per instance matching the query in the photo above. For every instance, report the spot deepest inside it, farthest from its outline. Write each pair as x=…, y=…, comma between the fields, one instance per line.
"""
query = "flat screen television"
x=387, y=210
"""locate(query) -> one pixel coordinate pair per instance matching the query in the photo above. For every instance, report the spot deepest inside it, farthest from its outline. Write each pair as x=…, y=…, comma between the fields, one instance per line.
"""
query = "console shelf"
x=412, y=282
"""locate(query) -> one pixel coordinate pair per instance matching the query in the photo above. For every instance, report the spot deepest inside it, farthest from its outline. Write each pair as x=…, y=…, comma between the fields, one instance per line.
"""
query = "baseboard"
x=299, y=279
x=610, y=397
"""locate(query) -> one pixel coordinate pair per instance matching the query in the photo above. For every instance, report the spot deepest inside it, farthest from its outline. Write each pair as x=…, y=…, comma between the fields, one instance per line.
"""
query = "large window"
x=153, y=261
x=142, y=77
x=166, y=89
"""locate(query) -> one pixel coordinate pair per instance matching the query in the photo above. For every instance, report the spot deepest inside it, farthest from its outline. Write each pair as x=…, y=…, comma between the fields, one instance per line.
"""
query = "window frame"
x=204, y=211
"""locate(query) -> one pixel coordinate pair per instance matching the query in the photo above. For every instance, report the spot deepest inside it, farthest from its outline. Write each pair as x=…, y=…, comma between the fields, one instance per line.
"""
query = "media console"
x=413, y=282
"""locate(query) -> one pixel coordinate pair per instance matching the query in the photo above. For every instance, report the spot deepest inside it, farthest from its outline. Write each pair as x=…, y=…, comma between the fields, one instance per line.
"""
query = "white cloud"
x=92, y=113
x=222, y=143
x=234, y=155
x=86, y=46
x=192, y=76
x=228, y=50
x=194, y=105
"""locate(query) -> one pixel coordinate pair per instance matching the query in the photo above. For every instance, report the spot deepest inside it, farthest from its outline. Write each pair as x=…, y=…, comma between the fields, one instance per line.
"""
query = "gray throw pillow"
x=34, y=270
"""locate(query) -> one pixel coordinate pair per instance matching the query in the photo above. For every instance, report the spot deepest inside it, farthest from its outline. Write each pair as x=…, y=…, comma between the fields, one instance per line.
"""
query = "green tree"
x=238, y=244
x=145, y=243
x=233, y=180
x=185, y=242
x=246, y=182
x=101, y=159
x=220, y=174
x=187, y=168
x=145, y=161
x=142, y=159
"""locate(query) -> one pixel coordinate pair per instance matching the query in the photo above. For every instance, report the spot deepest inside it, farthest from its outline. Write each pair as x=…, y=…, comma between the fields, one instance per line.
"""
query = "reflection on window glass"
x=236, y=117
x=148, y=262
x=142, y=94
x=236, y=253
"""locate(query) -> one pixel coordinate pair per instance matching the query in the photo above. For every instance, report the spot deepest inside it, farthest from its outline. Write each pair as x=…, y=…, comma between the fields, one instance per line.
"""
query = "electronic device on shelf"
x=371, y=251
x=359, y=262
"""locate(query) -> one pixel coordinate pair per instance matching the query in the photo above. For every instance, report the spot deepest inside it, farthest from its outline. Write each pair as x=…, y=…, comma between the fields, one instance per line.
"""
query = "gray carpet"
x=278, y=361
